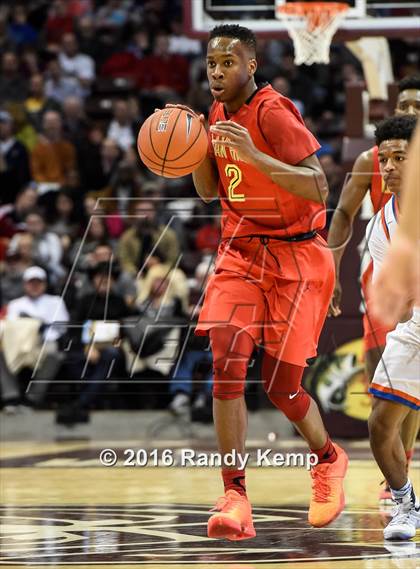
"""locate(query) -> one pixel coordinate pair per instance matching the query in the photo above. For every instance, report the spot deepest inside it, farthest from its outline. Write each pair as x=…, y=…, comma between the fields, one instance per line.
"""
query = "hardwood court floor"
x=61, y=508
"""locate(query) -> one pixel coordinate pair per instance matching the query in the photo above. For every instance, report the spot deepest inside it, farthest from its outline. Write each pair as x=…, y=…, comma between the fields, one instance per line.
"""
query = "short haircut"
x=409, y=82
x=244, y=35
x=396, y=128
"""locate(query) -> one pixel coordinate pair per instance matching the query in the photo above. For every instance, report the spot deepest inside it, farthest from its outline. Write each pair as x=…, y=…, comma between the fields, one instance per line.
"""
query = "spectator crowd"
x=87, y=234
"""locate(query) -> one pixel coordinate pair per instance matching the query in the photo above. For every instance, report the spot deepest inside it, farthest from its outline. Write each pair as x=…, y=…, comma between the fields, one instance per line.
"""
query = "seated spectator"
x=122, y=189
x=96, y=233
x=47, y=248
x=26, y=316
x=37, y=102
x=139, y=244
x=99, y=311
x=21, y=32
x=122, y=128
x=104, y=302
x=89, y=41
x=64, y=216
x=53, y=158
x=75, y=124
x=174, y=279
x=13, y=87
x=17, y=261
x=12, y=216
x=159, y=330
x=59, y=21
x=99, y=172
x=24, y=129
x=163, y=74
x=59, y=86
x=14, y=161
x=124, y=283
x=88, y=149
x=124, y=63
x=76, y=64
x=114, y=223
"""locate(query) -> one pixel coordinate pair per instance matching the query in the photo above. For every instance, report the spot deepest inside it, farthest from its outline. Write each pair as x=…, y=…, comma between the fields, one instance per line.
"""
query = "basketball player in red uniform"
x=366, y=178
x=274, y=274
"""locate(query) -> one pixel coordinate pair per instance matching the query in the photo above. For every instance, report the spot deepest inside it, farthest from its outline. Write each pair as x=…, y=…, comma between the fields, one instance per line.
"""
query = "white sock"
x=407, y=489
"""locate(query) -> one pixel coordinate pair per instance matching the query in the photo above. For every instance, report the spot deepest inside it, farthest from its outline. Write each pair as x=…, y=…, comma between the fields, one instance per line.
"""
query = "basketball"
x=172, y=142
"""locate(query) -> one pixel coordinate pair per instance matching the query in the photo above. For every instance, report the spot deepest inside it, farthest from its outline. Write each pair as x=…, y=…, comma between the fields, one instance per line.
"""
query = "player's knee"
x=231, y=349
x=380, y=427
x=229, y=379
x=294, y=405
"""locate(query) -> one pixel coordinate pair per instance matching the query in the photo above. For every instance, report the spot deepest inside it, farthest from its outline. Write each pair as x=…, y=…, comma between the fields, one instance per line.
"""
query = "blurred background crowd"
x=87, y=234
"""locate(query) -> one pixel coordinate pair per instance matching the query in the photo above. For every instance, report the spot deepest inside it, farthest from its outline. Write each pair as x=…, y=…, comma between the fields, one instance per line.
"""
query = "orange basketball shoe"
x=233, y=519
x=327, y=500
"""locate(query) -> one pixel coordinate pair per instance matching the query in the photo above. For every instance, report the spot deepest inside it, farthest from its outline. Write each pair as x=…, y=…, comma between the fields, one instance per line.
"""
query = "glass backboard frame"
x=357, y=23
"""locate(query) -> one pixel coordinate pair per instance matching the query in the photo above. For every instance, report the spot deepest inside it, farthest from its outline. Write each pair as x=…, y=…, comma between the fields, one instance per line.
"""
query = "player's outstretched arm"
x=398, y=281
x=341, y=227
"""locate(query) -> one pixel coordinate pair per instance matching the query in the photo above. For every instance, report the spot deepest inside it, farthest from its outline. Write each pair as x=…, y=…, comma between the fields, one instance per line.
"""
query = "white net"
x=312, y=27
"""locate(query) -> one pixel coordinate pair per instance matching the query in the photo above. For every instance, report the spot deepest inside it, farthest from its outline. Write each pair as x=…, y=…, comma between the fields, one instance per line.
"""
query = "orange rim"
x=316, y=13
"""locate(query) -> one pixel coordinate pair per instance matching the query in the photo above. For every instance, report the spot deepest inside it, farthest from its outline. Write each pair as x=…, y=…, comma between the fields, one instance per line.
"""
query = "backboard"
x=390, y=18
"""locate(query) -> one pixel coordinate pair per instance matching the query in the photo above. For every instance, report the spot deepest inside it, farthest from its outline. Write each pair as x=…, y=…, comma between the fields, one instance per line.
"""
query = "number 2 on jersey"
x=235, y=174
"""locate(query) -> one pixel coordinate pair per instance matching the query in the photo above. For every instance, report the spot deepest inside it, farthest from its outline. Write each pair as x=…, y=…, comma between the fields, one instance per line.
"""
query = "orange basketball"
x=172, y=142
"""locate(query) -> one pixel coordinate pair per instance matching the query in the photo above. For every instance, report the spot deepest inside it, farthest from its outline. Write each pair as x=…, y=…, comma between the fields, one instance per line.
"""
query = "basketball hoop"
x=311, y=27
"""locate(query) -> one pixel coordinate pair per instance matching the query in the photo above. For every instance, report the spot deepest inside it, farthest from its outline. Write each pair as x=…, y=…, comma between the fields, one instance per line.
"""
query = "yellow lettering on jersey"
x=234, y=154
x=235, y=174
x=220, y=150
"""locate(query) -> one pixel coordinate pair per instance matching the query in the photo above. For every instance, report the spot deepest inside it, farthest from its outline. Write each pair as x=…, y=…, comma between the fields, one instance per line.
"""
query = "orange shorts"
x=374, y=332
x=278, y=292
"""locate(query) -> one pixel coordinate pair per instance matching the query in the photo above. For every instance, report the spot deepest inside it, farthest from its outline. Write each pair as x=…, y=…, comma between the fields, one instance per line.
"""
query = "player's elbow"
x=207, y=191
x=321, y=187
x=208, y=199
x=207, y=194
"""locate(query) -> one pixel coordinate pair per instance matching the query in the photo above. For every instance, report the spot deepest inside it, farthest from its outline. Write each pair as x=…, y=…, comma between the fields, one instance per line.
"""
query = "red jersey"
x=251, y=202
x=379, y=195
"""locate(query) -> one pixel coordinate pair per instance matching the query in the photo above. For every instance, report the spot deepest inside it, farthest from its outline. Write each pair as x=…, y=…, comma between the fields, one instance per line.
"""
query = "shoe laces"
x=401, y=512
x=320, y=485
x=224, y=504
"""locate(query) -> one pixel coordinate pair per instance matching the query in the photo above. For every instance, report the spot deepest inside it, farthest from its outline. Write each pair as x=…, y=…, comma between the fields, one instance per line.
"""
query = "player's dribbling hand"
x=185, y=108
x=238, y=138
x=334, y=308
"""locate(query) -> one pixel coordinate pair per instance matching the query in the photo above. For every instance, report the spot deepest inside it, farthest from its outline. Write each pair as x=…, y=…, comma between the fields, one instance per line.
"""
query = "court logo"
x=164, y=534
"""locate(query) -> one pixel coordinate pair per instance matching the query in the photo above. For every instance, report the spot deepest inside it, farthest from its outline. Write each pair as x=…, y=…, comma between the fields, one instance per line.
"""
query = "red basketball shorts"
x=277, y=291
x=374, y=332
